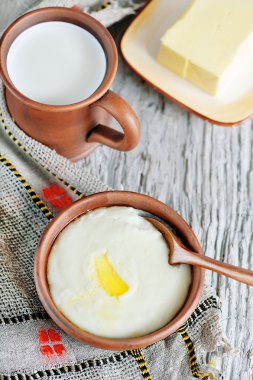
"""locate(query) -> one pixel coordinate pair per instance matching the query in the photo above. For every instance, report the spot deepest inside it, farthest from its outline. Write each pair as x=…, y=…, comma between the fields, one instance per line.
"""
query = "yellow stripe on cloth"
x=139, y=357
x=195, y=369
x=35, y=198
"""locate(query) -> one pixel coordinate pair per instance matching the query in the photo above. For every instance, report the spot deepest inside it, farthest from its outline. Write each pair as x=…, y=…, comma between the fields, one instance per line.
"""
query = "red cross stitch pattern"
x=57, y=196
x=46, y=337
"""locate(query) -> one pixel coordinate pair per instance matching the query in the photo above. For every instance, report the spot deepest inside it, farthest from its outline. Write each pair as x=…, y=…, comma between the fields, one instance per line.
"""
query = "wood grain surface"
x=205, y=172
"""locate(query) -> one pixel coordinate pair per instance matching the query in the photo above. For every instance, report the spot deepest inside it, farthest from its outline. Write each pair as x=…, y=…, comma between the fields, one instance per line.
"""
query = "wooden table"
x=205, y=172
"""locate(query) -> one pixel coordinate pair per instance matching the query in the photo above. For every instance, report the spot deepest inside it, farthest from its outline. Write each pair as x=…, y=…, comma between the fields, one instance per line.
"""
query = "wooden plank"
x=206, y=173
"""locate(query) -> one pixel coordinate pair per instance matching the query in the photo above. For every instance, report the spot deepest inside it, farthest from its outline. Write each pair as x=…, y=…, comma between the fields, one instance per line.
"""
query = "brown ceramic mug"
x=72, y=130
x=107, y=199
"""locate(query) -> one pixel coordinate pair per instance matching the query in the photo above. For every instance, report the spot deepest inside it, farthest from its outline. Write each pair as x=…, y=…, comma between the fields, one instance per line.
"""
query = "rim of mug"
x=108, y=199
x=110, y=50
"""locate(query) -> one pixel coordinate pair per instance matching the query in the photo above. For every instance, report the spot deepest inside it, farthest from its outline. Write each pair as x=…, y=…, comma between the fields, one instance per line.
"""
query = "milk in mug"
x=56, y=63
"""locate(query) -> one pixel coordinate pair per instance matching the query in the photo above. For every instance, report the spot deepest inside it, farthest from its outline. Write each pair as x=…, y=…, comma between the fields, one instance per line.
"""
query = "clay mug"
x=73, y=130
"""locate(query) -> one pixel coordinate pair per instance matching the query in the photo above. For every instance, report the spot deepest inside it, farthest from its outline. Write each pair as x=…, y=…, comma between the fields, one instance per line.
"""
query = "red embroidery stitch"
x=56, y=189
x=53, y=336
x=43, y=337
x=57, y=196
x=59, y=349
x=47, y=351
x=48, y=193
x=57, y=203
x=66, y=199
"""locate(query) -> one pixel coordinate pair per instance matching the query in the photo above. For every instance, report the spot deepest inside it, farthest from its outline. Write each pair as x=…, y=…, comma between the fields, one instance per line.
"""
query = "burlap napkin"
x=35, y=183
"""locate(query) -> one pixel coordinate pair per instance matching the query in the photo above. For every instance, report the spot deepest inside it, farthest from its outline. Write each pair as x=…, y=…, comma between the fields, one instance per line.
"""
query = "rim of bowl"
x=81, y=19
x=108, y=199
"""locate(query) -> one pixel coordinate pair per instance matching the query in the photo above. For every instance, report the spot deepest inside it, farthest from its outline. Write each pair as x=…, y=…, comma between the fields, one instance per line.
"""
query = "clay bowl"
x=107, y=199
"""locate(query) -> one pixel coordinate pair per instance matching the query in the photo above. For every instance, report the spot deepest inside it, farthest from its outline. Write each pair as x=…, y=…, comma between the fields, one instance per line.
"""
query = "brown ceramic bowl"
x=107, y=199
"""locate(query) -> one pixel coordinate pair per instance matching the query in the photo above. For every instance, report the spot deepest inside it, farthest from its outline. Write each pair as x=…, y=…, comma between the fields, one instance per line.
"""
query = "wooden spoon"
x=179, y=254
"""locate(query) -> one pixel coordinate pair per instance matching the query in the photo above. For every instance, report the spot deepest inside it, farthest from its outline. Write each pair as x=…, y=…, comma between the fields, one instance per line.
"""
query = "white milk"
x=152, y=290
x=56, y=63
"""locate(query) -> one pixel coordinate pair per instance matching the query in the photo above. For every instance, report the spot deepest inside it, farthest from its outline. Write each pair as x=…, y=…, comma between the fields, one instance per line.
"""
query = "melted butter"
x=108, y=278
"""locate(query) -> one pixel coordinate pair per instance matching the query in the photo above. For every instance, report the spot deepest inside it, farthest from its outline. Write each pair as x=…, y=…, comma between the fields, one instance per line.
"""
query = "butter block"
x=210, y=44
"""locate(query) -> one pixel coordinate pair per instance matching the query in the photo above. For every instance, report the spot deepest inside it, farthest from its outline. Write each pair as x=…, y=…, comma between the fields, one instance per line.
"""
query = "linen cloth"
x=35, y=183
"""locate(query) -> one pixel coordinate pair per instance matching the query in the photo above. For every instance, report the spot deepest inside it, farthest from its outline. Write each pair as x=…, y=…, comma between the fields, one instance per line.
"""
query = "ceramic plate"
x=139, y=47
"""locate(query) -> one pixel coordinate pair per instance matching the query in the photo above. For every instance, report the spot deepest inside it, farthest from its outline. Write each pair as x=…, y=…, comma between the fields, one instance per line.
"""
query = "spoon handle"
x=179, y=254
x=232, y=271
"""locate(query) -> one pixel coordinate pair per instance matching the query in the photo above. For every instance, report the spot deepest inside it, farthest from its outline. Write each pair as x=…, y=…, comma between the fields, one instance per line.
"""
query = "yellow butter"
x=108, y=278
x=210, y=43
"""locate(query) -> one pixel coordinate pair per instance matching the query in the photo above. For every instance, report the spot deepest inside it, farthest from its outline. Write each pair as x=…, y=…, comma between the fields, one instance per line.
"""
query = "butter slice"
x=108, y=278
x=210, y=44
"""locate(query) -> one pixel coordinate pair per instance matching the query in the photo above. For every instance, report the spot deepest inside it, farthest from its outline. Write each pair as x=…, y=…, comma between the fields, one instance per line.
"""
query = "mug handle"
x=125, y=116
